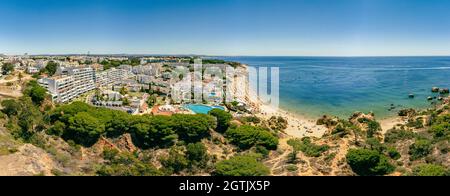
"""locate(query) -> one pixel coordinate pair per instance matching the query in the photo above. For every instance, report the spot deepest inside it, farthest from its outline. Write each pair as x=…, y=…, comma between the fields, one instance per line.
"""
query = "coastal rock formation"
x=435, y=89
x=327, y=121
x=444, y=91
x=407, y=112
x=359, y=118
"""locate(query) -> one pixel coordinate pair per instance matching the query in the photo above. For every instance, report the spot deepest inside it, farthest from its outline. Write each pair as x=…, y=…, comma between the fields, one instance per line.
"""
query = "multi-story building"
x=69, y=83
x=112, y=76
x=32, y=70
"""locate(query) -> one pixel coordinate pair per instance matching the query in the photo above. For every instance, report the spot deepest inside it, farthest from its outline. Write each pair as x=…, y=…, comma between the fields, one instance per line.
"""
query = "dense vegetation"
x=366, y=162
x=35, y=92
x=430, y=170
x=181, y=136
x=242, y=165
x=223, y=119
x=85, y=124
x=247, y=136
x=126, y=164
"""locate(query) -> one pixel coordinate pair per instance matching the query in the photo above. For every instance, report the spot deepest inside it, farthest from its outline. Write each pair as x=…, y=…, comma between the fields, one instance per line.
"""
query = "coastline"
x=300, y=126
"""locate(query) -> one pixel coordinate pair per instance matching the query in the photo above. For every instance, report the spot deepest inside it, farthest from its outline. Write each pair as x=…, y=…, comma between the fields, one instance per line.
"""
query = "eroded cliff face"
x=28, y=160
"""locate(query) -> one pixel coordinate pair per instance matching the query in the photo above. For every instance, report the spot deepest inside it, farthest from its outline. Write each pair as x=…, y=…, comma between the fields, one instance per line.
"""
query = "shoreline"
x=300, y=126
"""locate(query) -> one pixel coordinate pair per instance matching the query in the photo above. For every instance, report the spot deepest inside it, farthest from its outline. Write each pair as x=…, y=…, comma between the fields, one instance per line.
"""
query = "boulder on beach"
x=429, y=98
x=444, y=91
x=435, y=89
x=407, y=112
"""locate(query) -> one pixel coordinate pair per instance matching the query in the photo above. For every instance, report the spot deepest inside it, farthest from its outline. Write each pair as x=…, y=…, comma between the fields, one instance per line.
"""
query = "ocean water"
x=314, y=86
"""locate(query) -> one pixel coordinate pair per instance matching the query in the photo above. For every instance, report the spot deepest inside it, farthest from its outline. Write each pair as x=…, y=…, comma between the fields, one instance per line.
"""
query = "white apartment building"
x=69, y=83
x=32, y=70
x=112, y=76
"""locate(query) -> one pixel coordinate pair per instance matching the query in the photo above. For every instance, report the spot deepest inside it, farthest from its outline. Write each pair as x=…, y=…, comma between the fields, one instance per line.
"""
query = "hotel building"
x=69, y=83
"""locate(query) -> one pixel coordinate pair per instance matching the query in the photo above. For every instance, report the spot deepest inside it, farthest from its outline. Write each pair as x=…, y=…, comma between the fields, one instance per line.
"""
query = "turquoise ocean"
x=314, y=86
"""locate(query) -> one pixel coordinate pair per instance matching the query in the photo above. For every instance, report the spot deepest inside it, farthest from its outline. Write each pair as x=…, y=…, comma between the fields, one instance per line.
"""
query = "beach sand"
x=298, y=126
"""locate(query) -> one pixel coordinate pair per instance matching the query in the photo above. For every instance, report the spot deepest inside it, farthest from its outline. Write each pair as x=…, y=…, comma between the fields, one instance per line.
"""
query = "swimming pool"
x=202, y=109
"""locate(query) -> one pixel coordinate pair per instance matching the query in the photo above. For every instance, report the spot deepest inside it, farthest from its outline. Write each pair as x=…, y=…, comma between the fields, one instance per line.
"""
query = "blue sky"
x=227, y=27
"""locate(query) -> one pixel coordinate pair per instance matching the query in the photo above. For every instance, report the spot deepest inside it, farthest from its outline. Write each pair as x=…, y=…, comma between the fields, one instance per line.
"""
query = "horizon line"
x=209, y=55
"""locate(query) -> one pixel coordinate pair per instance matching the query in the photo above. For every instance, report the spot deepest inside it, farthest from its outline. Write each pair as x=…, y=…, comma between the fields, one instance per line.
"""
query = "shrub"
x=126, y=164
x=441, y=127
x=366, y=162
x=429, y=170
x=244, y=165
x=292, y=168
x=374, y=144
x=373, y=127
x=10, y=107
x=394, y=135
x=307, y=147
x=175, y=162
x=197, y=153
x=420, y=149
x=393, y=153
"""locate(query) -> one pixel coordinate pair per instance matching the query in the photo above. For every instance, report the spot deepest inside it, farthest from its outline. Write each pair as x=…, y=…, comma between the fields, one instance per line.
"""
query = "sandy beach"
x=298, y=126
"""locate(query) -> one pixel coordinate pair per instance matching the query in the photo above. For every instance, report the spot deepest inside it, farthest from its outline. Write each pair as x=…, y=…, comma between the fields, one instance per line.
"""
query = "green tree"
x=117, y=124
x=36, y=92
x=123, y=91
x=192, y=128
x=151, y=100
x=29, y=118
x=366, y=162
x=84, y=129
x=7, y=68
x=197, y=153
x=247, y=136
x=223, y=119
x=10, y=107
x=154, y=131
x=51, y=67
x=244, y=165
